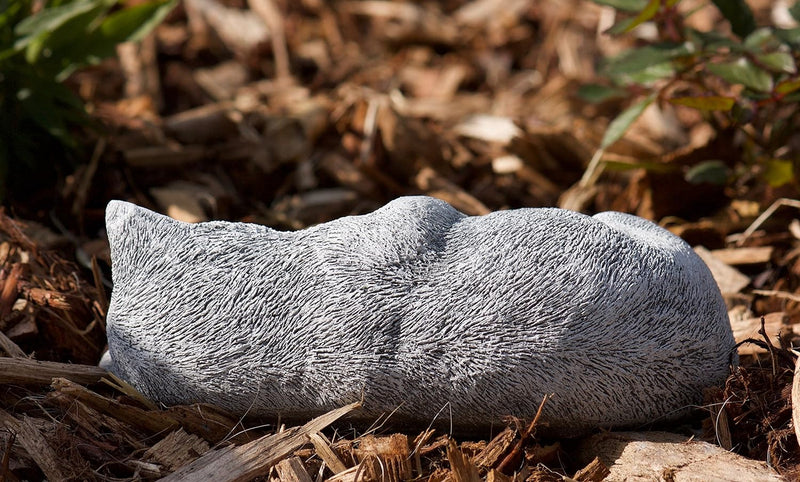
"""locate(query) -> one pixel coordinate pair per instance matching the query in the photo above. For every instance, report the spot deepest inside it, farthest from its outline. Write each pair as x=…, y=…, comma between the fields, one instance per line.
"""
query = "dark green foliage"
x=738, y=14
x=38, y=50
x=760, y=62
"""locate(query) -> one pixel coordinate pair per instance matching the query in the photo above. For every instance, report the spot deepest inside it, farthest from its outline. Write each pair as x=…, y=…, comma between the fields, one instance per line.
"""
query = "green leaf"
x=624, y=5
x=787, y=86
x=705, y=103
x=132, y=24
x=650, y=74
x=778, y=172
x=636, y=60
x=621, y=26
x=778, y=62
x=617, y=128
x=49, y=19
x=711, y=172
x=596, y=93
x=54, y=49
x=646, y=14
x=711, y=40
x=790, y=36
x=738, y=14
x=794, y=10
x=743, y=72
x=760, y=38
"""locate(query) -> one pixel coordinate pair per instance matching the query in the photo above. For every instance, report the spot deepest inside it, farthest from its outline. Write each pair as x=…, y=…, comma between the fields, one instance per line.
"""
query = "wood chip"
x=796, y=400
x=774, y=323
x=463, y=470
x=385, y=458
x=740, y=256
x=12, y=349
x=292, y=470
x=36, y=445
x=177, y=449
x=324, y=451
x=23, y=371
x=164, y=156
x=668, y=456
x=495, y=476
x=495, y=450
x=436, y=185
x=489, y=128
x=152, y=421
x=730, y=280
x=594, y=472
x=255, y=458
x=350, y=475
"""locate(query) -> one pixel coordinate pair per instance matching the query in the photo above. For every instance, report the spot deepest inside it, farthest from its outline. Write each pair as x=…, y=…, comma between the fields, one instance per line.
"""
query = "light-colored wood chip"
x=774, y=323
x=385, y=458
x=350, y=475
x=729, y=280
x=250, y=460
x=324, y=451
x=668, y=456
x=796, y=399
x=177, y=449
x=740, y=256
x=292, y=470
x=462, y=469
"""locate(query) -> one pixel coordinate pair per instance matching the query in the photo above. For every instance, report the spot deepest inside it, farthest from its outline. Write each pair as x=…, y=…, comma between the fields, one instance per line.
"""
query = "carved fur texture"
x=421, y=309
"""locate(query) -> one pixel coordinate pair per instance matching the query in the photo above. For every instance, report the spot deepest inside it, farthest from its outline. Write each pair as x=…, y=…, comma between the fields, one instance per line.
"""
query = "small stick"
x=513, y=456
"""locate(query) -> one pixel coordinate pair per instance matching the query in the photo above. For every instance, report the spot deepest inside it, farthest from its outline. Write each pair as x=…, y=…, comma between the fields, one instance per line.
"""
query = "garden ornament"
x=419, y=310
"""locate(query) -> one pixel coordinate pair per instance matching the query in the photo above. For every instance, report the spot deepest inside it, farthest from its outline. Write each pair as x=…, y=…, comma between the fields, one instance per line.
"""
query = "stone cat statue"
x=421, y=310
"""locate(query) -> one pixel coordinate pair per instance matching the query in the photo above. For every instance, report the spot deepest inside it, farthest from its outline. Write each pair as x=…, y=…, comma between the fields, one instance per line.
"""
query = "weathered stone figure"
x=418, y=306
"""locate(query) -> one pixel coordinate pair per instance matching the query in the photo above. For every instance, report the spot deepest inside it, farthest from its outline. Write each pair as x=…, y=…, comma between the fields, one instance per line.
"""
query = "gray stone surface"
x=418, y=306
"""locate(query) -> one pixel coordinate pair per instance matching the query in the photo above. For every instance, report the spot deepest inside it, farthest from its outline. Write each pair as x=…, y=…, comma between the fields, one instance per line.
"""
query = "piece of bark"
x=241, y=30
x=730, y=280
x=222, y=80
x=292, y=470
x=496, y=476
x=23, y=371
x=183, y=201
x=740, y=256
x=462, y=469
x=209, y=422
x=796, y=400
x=495, y=451
x=203, y=125
x=325, y=452
x=668, y=456
x=152, y=421
x=12, y=349
x=350, y=475
x=8, y=292
x=177, y=449
x=385, y=458
x=436, y=185
x=250, y=460
x=595, y=471
x=164, y=156
x=35, y=444
x=488, y=128
x=774, y=323
x=348, y=175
